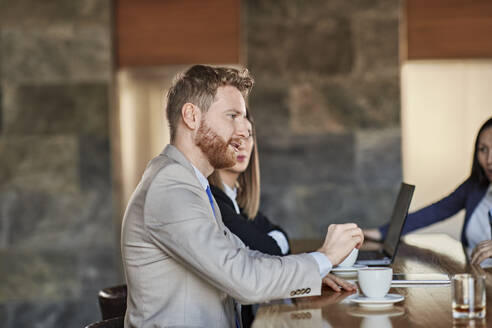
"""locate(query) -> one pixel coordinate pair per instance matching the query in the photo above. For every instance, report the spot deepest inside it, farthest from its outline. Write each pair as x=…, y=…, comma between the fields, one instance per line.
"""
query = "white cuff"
x=324, y=264
x=281, y=240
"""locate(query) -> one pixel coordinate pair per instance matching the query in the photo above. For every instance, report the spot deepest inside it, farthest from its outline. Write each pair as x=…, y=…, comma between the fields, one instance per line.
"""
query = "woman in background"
x=237, y=192
x=474, y=195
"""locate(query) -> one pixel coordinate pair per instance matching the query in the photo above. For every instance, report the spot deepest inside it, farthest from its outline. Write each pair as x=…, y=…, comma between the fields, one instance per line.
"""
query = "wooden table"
x=424, y=306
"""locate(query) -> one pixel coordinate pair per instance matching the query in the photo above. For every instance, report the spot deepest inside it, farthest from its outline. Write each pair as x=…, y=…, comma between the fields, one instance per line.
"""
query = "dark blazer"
x=466, y=196
x=253, y=233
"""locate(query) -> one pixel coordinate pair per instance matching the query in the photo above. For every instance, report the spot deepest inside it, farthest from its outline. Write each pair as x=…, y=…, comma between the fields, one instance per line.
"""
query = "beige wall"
x=143, y=129
x=444, y=103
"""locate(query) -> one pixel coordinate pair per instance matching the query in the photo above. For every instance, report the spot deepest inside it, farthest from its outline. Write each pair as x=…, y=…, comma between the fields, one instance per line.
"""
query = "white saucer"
x=380, y=302
x=353, y=268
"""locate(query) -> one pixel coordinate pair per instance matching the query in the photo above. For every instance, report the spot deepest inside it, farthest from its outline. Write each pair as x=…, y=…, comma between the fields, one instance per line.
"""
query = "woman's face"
x=484, y=152
x=244, y=154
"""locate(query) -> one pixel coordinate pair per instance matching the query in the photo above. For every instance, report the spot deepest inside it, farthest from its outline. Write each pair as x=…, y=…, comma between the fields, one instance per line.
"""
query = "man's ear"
x=191, y=116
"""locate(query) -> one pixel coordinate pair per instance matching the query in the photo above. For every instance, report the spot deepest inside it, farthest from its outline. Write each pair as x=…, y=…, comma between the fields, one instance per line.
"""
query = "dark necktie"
x=210, y=198
x=490, y=220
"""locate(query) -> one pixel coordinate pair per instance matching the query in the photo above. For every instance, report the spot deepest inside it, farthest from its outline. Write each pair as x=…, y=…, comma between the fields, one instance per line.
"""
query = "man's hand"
x=482, y=252
x=337, y=284
x=340, y=240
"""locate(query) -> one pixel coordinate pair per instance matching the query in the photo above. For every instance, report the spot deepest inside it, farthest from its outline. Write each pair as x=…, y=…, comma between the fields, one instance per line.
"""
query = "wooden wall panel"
x=448, y=29
x=170, y=32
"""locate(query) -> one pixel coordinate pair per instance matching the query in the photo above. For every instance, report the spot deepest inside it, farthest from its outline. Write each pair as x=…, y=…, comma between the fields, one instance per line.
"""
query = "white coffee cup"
x=375, y=281
x=350, y=259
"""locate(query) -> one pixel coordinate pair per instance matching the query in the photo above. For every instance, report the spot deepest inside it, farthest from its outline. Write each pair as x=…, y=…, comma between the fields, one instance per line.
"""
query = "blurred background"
x=351, y=98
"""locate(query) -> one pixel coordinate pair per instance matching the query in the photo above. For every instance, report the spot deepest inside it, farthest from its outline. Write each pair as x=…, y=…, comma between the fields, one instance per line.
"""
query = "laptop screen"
x=398, y=219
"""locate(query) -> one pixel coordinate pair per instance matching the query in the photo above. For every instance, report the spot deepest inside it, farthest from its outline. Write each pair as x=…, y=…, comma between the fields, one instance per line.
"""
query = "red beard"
x=215, y=147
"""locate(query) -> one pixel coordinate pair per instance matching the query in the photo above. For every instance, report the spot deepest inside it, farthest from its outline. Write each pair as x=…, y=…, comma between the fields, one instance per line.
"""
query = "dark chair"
x=110, y=323
x=112, y=302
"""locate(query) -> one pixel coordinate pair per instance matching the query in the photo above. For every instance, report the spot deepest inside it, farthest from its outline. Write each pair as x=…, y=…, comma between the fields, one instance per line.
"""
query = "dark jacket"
x=466, y=196
x=253, y=233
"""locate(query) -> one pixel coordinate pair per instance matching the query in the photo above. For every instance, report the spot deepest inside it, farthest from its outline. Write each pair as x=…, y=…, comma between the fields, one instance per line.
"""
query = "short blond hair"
x=198, y=85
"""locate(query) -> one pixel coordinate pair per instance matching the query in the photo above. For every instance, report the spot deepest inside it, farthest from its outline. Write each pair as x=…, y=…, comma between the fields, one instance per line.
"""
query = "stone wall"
x=327, y=104
x=57, y=240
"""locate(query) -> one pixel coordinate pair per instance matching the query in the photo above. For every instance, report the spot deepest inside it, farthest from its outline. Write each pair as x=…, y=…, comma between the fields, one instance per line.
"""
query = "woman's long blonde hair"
x=248, y=182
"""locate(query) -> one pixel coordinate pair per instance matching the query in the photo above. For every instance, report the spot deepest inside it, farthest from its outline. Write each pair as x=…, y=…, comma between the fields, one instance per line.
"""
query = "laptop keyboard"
x=370, y=255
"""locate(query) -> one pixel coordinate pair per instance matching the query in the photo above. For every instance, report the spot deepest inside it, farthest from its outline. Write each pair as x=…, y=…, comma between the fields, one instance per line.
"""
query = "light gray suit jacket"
x=183, y=265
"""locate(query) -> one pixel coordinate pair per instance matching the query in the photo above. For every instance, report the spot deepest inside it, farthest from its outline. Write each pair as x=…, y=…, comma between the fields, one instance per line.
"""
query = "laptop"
x=386, y=255
x=411, y=279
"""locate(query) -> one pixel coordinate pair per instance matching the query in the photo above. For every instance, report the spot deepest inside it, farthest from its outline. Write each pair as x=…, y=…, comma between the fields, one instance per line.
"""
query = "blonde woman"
x=237, y=192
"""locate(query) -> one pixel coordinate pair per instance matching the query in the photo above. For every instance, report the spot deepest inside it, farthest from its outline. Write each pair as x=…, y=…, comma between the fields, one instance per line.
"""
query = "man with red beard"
x=183, y=266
